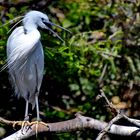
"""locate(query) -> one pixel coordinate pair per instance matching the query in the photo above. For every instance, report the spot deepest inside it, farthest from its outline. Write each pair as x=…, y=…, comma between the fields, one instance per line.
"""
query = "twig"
x=118, y=116
x=132, y=121
x=109, y=104
x=7, y=122
x=102, y=75
x=106, y=129
x=109, y=54
x=116, y=111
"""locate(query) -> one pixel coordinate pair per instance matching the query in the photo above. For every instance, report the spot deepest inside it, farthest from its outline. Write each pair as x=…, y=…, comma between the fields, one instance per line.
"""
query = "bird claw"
x=45, y=124
x=37, y=123
x=19, y=123
x=36, y=129
x=26, y=125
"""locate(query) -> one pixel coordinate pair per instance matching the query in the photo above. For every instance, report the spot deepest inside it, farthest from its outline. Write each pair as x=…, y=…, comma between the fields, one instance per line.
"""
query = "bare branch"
x=79, y=123
x=106, y=129
x=118, y=115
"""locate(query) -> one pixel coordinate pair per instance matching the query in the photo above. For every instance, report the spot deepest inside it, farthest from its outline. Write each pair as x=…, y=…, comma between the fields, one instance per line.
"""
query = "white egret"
x=25, y=58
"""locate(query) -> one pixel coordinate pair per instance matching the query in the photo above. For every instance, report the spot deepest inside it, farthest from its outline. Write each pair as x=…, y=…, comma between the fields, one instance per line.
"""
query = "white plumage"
x=25, y=58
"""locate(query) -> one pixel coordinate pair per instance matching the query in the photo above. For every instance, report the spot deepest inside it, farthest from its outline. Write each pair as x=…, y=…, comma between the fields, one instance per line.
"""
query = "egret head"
x=34, y=19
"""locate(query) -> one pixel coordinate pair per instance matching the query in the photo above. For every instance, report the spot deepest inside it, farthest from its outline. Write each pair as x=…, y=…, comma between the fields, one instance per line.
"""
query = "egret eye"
x=43, y=19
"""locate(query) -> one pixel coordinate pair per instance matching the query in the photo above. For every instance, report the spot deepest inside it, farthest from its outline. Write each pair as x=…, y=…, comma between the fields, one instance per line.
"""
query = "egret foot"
x=25, y=126
x=17, y=123
x=37, y=123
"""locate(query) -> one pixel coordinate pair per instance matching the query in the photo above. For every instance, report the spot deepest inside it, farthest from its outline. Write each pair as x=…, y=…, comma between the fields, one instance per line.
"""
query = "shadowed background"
x=103, y=52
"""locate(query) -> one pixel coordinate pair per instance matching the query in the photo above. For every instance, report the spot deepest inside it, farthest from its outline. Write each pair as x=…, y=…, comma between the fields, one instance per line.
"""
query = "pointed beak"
x=52, y=24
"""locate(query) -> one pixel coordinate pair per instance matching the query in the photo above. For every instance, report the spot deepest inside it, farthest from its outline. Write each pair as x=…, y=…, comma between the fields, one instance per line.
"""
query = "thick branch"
x=79, y=123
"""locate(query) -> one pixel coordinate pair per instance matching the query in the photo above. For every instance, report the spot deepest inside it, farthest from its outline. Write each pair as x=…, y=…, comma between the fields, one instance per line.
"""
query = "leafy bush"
x=102, y=53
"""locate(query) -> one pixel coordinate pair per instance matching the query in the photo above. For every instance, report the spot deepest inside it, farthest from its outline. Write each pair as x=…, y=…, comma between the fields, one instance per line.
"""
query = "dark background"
x=105, y=41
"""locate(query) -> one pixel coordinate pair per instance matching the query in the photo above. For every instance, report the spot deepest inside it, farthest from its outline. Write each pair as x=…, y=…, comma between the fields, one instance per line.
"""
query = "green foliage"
x=102, y=52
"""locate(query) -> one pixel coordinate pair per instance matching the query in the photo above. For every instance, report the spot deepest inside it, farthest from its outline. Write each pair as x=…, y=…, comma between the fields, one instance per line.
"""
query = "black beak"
x=52, y=24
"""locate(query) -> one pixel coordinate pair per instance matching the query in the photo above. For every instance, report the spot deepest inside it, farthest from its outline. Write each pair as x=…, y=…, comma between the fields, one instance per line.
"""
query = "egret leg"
x=37, y=108
x=38, y=116
x=37, y=112
x=25, y=123
x=26, y=117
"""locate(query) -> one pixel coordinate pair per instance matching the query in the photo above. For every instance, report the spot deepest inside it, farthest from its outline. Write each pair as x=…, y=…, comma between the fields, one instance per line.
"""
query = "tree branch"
x=79, y=123
x=118, y=115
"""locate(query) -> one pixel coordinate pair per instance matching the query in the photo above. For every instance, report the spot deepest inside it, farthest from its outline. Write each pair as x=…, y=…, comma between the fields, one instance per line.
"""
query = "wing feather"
x=25, y=62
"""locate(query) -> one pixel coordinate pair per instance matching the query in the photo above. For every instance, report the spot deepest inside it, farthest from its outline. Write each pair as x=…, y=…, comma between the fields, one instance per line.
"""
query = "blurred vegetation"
x=102, y=53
